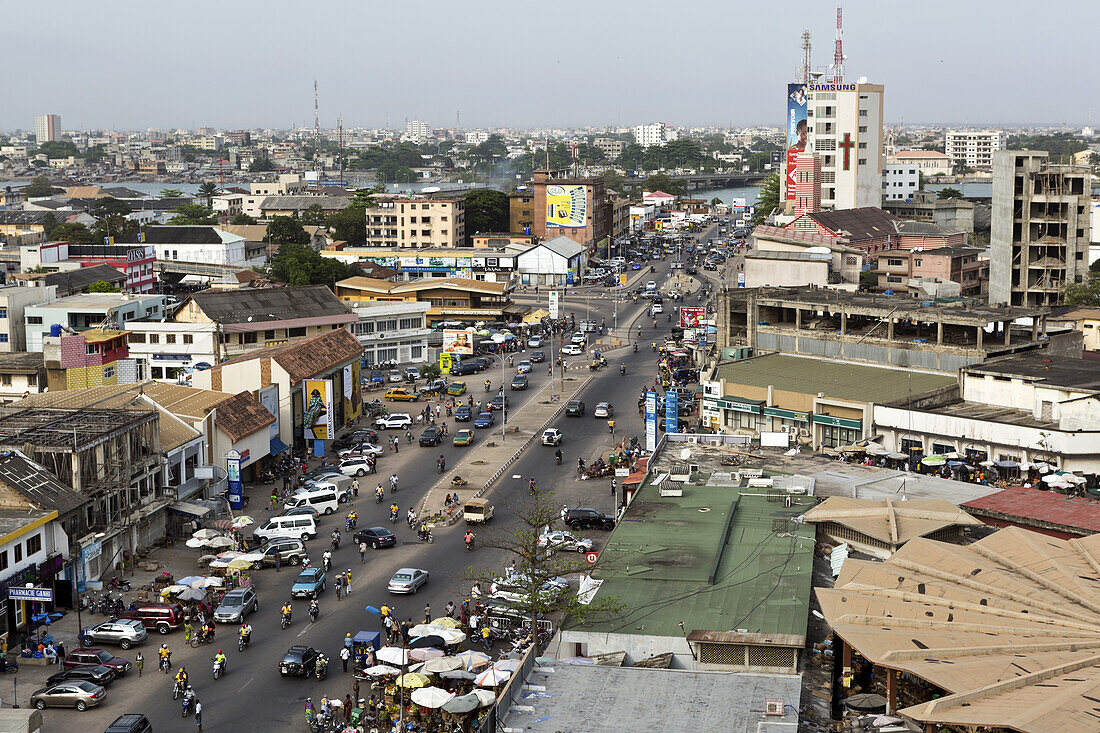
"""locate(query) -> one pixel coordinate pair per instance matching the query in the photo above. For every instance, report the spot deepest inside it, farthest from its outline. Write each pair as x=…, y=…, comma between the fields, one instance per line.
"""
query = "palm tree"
x=208, y=190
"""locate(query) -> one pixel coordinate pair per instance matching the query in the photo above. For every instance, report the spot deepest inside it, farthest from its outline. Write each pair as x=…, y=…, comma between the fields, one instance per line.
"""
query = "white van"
x=320, y=497
x=298, y=526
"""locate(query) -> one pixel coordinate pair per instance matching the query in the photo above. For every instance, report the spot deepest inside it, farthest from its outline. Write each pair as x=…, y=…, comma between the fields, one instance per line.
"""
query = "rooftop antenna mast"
x=838, y=54
x=340, y=139
x=316, y=136
x=805, y=75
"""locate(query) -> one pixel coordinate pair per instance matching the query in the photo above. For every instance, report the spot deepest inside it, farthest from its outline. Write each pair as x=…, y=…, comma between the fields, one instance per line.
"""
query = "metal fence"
x=708, y=438
x=509, y=694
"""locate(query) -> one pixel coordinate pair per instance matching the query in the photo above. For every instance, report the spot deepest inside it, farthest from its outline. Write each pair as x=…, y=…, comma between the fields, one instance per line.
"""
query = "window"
x=188, y=338
x=248, y=338
x=863, y=128
x=108, y=372
x=410, y=323
x=34, y=544
x=17, y=552
x=918, y=263
x=3, y=312
x=863, y=113
x=34, y=320
x=3, y=338
x=91, y=348
x=268, y=335
x=4, y=560
x=154, y=338
x=293, y=332
x=137, y=338
x=862, y=161
x=5, y=380
x=170, y=338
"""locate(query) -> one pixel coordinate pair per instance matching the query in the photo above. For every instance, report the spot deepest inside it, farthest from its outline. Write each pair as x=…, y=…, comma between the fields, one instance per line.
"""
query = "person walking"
x=485, y=638
x=354, y=487
x=339, y=586
x=345, y=657
x=347, y=582
x=139, y=661
x=450, y=609
x=198, y=715
x=612, y=487
x=347, y=709
x=362, y=552
x=427, y=613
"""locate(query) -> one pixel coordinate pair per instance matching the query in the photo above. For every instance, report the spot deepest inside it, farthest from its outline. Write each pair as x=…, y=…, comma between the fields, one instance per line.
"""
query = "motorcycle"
x=313, y=613
x=622, y=369
x=441, y=466
x=285, y=621
x=378, y=496
x=393, y=516
x=469, y=543
x=242, y=642
x=219, y=668
x=326, y=562
x=200, y=638
x=119, y=583
x=177, y=689
x=186, y=705
x=321, y=669
x=335, y=541
x=635, y=348
x=557, y=457
x=425, y=535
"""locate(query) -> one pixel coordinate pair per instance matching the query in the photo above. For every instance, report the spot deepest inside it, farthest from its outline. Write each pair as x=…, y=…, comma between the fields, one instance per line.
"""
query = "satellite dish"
x=685, y=454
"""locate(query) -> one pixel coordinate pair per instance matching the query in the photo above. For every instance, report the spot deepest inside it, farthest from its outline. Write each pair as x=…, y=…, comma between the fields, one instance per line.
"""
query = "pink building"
x=807, y=183
x=959, y=264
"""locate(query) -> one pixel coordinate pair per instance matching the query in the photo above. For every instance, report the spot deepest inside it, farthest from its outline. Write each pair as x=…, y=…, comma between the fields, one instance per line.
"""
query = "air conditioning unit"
x=773, y=706
x=804, y=432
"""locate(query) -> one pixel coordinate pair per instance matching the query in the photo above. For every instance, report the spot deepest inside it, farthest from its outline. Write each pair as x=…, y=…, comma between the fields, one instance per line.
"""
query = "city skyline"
x=668, y=66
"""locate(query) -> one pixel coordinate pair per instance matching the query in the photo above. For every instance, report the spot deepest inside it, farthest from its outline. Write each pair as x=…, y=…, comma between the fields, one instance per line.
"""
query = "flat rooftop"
x=839, y=380
x=969, y=312
x=93, y=301
x=1055, y=371
x=1074, y=515
x=992, y=413
x=584, y=698
x=717, y=558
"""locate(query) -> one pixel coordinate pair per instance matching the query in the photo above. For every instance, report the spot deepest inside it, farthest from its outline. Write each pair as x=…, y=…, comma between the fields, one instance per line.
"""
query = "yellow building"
x=451, y=299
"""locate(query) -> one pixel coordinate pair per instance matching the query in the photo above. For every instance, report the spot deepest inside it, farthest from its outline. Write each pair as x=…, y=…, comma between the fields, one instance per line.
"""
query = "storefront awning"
x=187, y=508
x=278, y=446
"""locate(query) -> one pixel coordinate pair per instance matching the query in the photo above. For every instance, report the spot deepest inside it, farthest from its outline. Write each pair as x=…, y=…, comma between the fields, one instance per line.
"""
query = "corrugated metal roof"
x=1077, y=515
x=269, y=304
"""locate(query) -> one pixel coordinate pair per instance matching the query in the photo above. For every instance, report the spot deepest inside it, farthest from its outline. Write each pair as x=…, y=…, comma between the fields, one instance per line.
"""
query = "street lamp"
x=499, y=339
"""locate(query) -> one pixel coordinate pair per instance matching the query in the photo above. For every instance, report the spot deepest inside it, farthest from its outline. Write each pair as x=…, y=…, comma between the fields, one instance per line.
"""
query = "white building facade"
x=655, y=133
x=392, y=331
x=974, y=148
x=900, y=181
x=844, y=128
x=170, y=350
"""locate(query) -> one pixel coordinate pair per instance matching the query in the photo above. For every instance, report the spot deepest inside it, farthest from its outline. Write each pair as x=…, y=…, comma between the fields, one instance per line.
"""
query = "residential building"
x=272, y=206
x=77, y=313
x=1026, y=408
x=204, y=245
x=821, y=402
x=578, y=208
x=807, y=183
x=417, y=131
x=1039, y=241
x=873, y=230
x=1083, y=319
x=21, y=373
x=473, y=137
x=134, y=260
x=846, y=262
x=51, y=285
x=395, y=331
x=951, y=214
x=620, y=215
x=521, y=211
x=963, y=265
x=899, y=181
x=91, y=358
x=929, y=162
x=29, y=227
x=424, y=222
x=845, y=130
x=974, y=148
x=609, y=146
x=655, y=133
x=451, y=299
x=249, y=319
x=13, y=300
x=886, y=330
x=47, y=128
x=558, y=261
x=333, y=357
x=501, y=240
x=168, y=351
x=763, y=268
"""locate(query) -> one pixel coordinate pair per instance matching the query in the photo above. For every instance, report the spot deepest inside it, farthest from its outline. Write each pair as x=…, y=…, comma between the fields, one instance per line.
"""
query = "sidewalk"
x=491, y=458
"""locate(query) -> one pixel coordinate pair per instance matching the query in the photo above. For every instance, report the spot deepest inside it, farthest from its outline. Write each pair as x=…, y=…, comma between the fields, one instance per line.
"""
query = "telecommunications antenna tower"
x=838, y=54
x=805, y=75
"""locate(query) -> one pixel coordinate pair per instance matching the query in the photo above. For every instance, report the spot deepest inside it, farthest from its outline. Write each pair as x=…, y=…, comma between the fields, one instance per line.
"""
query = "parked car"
x=309, y=583
x=463, y=438
x=362, y=435
x=130, y=723
x=299, y=661
x=400, y=394
x=97, y=675
x=124, y=632
x=519, y=382
x=79, y=694
x=456, y=388
x=236, y=605
x=85, y=657
x=533, y=343
x=376, y=537
x=484, y=420
x=463, y=414
x=363, y=449
x=574, y=408
x=395, y=376
x=377, y=377
x=560, y=540
x=412, y=374
x=603, y=409
x=587, y=518
x=537, y=357
x=572, y=350
x=524, y=367
x=465, y=369
x=360, y=466
x=431, y=436
x=163, y=617
x=394, y=421
x=551, y=436
x=407, y=580
x=304, y=509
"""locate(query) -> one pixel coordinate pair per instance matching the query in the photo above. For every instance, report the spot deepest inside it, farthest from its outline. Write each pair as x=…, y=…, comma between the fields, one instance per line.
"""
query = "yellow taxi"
x=456, y=388
x=400, y=394
x=464, y=437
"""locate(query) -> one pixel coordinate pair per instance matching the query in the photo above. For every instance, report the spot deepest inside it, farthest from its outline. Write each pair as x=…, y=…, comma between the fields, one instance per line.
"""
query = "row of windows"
x=34, y=546
x=154, y=338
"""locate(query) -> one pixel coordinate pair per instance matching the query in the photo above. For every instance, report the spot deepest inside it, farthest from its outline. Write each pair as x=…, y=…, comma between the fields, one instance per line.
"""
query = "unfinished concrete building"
x=881, y=329
x=1039, y=241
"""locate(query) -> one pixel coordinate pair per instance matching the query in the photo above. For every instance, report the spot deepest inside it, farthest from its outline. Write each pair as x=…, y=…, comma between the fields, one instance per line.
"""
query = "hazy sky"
x=240, y=63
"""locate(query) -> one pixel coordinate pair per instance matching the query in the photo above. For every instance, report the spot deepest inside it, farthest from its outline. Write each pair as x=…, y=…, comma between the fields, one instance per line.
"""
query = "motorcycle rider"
x=326, y=560
x=246, y=633
x=611, y=426
x=335, y=539
x=622, y=369
x=165, y=657
x=286, y=610
x=488, y=385
x=531, y=486
x=181, y=678
x=423, y=533
x=441, y=463
x=410, y=517
x=557, y=455
x=220, y=659
x=314, y=610
x=469, y=540
x=379, y=494
x=188, y=697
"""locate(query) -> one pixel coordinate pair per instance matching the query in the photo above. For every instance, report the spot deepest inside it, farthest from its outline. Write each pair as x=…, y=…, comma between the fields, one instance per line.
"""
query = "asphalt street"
x=252, y=692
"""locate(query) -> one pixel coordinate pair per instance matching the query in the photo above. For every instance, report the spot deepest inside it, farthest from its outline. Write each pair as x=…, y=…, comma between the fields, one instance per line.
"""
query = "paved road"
x=252, y=692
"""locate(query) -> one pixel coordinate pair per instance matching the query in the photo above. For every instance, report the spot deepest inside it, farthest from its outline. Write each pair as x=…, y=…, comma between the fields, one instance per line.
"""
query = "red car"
x=92, y=657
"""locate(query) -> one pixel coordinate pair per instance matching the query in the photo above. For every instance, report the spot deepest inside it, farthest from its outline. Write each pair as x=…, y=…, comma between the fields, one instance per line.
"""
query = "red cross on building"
x=847, y=145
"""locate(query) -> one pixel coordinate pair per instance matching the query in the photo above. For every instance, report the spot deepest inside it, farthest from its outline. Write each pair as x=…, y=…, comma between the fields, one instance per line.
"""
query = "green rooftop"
x=836, y=379
x=670, y=560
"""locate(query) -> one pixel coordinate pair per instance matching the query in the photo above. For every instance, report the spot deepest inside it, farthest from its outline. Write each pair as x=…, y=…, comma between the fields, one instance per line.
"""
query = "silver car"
x=236, y=604
x=78, y=694
x=407, y=580
x=565, y=541
x=124, y=632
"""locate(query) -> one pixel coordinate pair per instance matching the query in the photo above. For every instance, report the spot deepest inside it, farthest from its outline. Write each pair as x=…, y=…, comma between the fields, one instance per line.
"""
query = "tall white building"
x=476, y=137
x=417, y=131
x=47, y=128
x=900, y=181
x=844, y=128
x=974, y=148
x=655, y=133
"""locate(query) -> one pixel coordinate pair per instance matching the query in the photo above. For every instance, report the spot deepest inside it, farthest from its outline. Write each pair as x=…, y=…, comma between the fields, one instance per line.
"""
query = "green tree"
x=949, y=193
x=38, y=187
x=261, y=165
x=58, y=149
x=193, y=215
x=767, y=200
x=76, y=233
x=536, y=567
x=486, y=211
x=715, y=201
x=920, y=180
x=242, y=219
x=171, y=193
x=350, y=224
x=1061, y=145
x=429, y=371
x=661, y=182
x=101, y=286
x=285, y=230
x=393, y=172
x=208, y=190
x=95, y=154
x=314, y=215
x=1094, y=159
x=107, y=206
x=1086, y=293
x=298, y=264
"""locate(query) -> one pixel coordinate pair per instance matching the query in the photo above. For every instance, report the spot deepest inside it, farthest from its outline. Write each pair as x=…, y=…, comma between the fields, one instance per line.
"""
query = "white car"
x=565, y=541
x=551, y=436
x=578, y=338
x=572, y=350
x=363, y=449
x=395, y=376
x=534, y=342
x=524, y=367
x=407, y=580
x=603, y=409
x=354, y=466
x=651, y=285
x=656, y=308
x=394, y=421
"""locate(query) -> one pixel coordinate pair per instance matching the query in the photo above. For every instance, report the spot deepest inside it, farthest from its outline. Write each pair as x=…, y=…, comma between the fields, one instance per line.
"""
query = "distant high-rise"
x=417, y=131
x=974, y=148
x=845, y=130
x=656, y=133
x=47, y=128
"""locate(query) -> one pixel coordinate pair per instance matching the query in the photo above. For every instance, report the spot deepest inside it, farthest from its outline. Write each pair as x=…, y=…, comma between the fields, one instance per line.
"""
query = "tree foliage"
x=102, y=286
x=193, y=215
x=285, y=230
x=393, y=172
x=350, y=224
x=486, y=211
x=38, y=187
x=107, y=206
x=171, y=193
x=242, y=219
x=298, y=264
x=208, y=190
x=1060, y=145
x=949, y=193
x=58, y=149
x=1086, y=293
x=261, y=165
x=76, y=233
x=314, y=215
x=767, y=200
x=661, y=182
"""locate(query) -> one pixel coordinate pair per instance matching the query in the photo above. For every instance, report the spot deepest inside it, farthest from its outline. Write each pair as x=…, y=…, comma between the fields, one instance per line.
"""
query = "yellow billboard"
x=317, y=414
x=566, y=207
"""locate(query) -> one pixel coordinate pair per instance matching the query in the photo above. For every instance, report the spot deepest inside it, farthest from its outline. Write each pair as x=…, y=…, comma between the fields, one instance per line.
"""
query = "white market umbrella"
x=451, y=636
x=219, y=563
x=220, y=542
x=242, y=522
x=472, y=660
x=252, y=557
x=506, y=665
x=229, y=554
x=425, y=653
x=431, y=697
x=213, y=582
x=393, y=655
x=441, y=664
x=1052, y=478
x=424, y=630
x=205, y=534
x=492, y=677
x=487, y=697
x=196, y=542
x=381, y=670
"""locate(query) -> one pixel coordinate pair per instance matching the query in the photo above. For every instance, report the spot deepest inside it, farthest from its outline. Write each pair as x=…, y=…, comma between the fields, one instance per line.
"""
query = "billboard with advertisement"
x=796, y=132
x=566, y=207
x=269, y=398
x=692, y=317
x=353, y=394
x=317, y=417
x=456, y=341
x=672, y=412
x=651, y=421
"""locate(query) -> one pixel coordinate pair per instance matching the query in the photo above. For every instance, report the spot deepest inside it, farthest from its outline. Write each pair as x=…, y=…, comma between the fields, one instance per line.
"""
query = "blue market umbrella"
x=46, y=618
x=372, y=609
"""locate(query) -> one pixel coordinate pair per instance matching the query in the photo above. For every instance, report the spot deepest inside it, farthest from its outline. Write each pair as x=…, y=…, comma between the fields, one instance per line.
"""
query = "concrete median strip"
x=488, y=461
